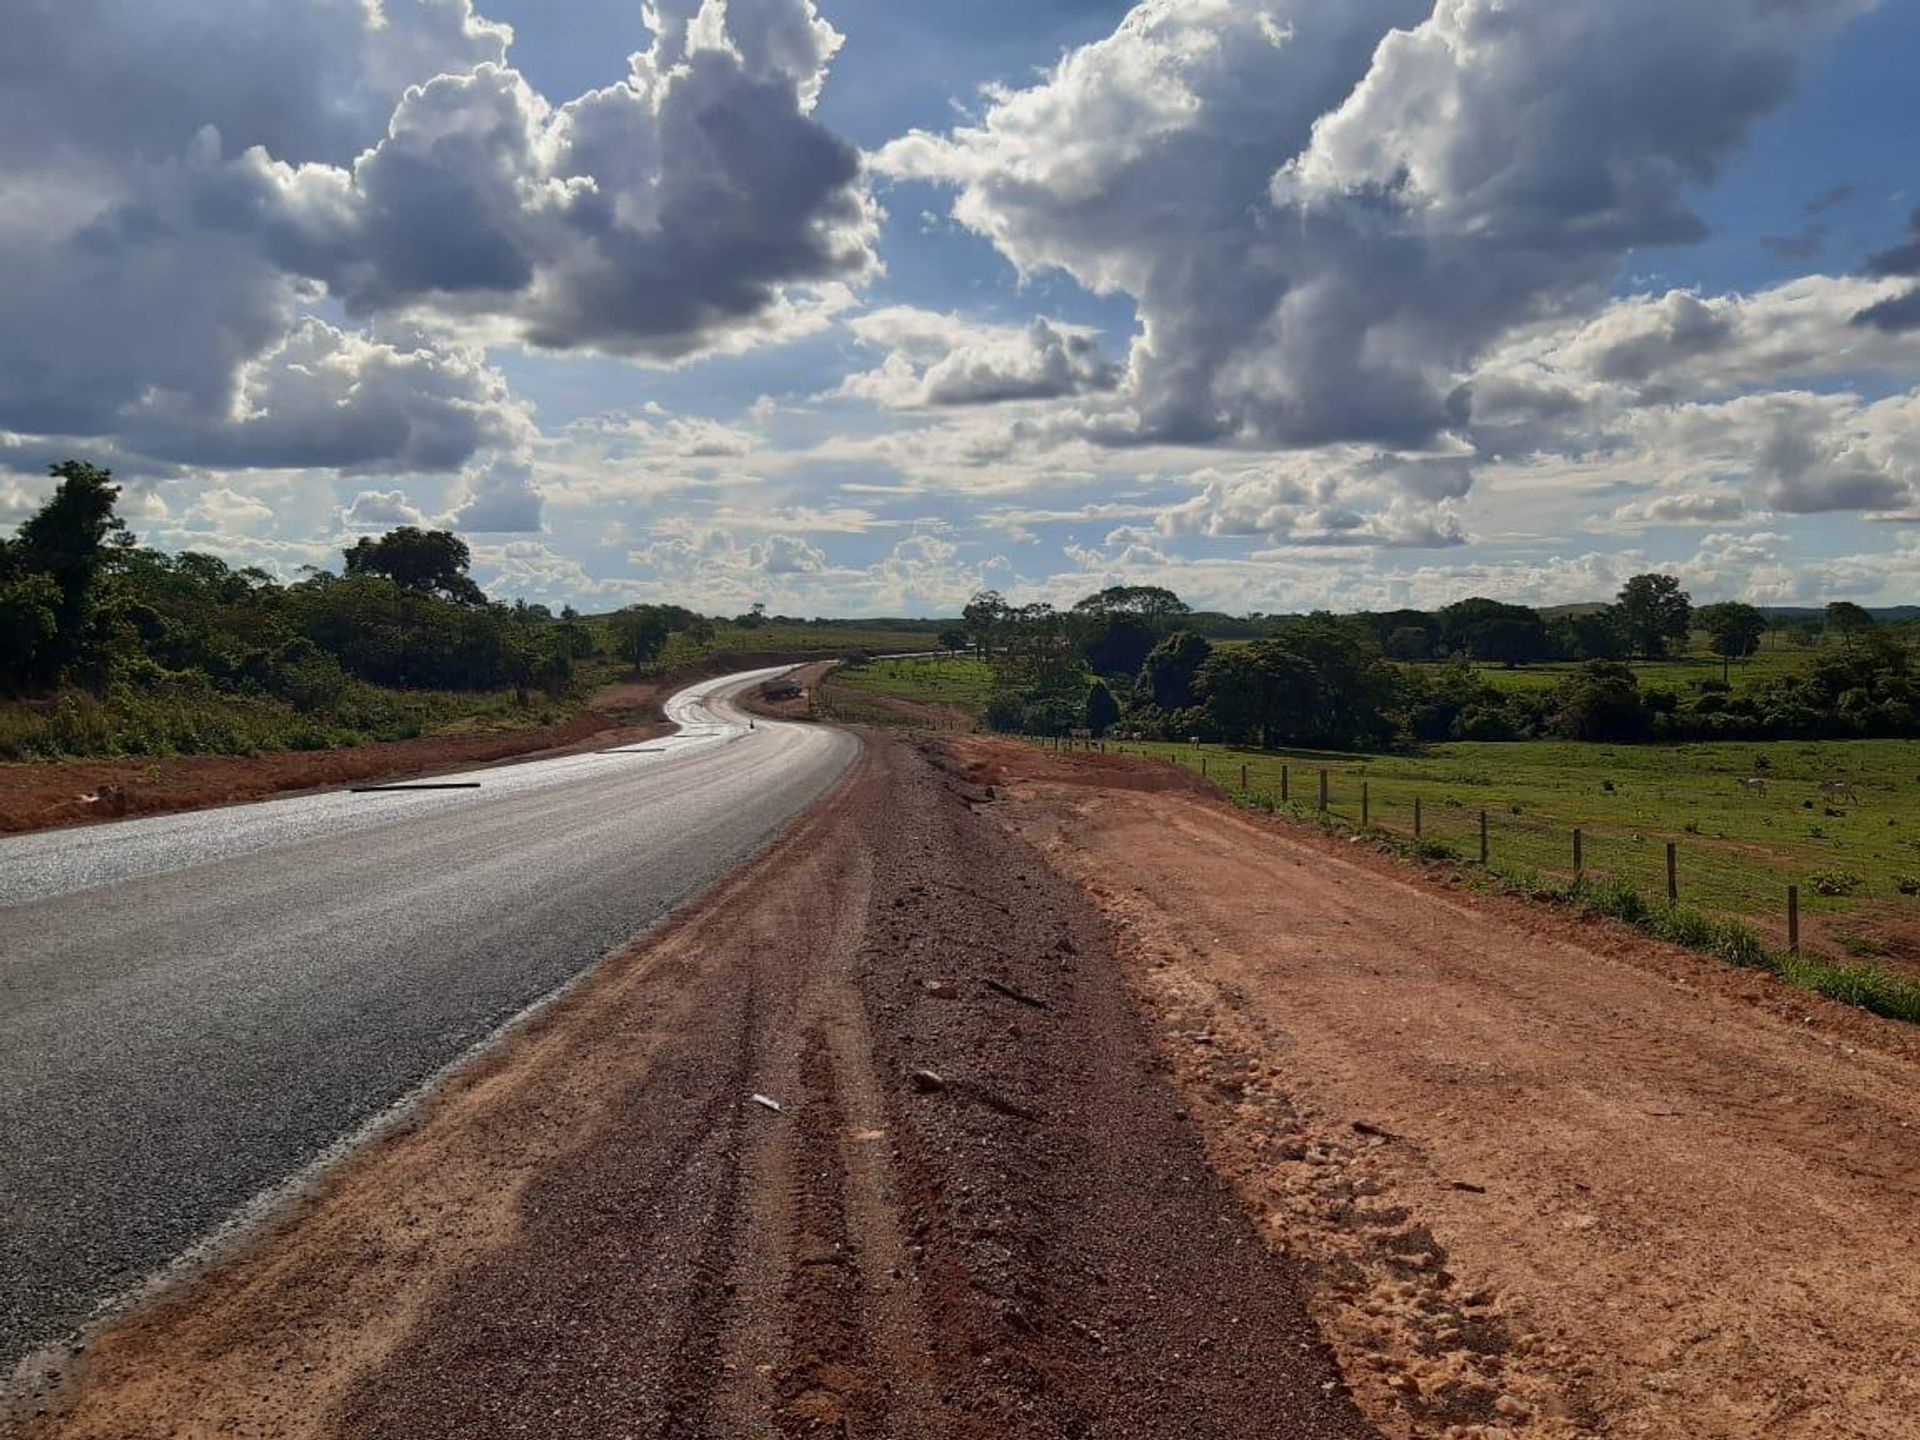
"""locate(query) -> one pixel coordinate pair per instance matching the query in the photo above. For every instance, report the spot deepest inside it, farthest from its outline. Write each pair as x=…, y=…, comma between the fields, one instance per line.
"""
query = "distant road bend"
x=194, y=1007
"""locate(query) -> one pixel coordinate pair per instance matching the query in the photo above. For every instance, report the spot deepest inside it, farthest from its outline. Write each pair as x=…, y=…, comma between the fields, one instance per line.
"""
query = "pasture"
x=1739, y=846
x=958, y=680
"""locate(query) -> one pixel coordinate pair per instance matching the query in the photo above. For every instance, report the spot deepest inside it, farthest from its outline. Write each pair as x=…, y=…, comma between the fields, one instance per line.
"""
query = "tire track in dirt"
x=594, y=1232
x=1552, y=1179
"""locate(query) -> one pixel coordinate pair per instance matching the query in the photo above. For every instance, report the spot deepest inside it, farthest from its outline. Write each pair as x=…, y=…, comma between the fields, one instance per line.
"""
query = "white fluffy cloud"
x=938, y=359
x=185, y=182
x=1326, y=209
x=1344, y=499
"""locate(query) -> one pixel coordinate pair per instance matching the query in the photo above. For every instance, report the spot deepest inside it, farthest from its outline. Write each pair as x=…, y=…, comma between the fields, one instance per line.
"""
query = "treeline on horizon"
x=1131, y=660
x=110, y=647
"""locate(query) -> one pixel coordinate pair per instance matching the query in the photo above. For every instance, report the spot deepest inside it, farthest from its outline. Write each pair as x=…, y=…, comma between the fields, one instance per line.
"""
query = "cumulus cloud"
x=1691, y=507
x=1685, y=344
x=501, y=497
x=1342, y=499
x=1326, y=209
x=380, y=510
x=939, y=359
x=187, y=182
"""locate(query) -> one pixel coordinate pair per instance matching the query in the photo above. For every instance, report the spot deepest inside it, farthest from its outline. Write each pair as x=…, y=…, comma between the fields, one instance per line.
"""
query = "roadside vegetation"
x=108, y=648
x=1769, y=757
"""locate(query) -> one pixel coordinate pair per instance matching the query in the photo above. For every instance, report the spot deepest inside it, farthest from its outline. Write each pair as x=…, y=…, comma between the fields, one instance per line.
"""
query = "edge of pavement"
x=281, y=1203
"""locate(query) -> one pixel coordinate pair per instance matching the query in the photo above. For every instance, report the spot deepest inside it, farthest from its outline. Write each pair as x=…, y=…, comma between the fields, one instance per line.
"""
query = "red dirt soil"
x=1552, y=1178
x=74, y=792
x=978, y=1212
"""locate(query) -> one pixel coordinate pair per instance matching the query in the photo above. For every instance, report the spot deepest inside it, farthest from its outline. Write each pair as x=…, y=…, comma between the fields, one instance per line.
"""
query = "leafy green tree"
x=1103, y=711
x=1118, y=643
x=1409, y=642
x=1601, y=702
x=1654, y=613
x=1166, y=680
x=1492, y=631
x=421, y=562
x=952, y=637
x=71, y=541
x=1590, y=635
x=986, y=617
x=641, y=632
x=29, y=625
x=1848, y=620
x=1733, y=632
x=1158, y=606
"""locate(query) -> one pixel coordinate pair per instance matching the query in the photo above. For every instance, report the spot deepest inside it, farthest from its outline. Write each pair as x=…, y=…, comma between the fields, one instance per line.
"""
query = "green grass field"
x=958, y=680
x=1682, y=675
x=1738, y=850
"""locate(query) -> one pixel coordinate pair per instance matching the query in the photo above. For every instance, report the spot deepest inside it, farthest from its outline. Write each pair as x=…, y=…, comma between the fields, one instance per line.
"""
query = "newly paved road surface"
x=194, y=1007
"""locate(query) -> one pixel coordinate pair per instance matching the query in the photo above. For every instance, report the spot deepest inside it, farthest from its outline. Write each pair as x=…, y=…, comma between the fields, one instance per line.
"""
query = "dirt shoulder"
x=979, y=1211
x=1551, y=1178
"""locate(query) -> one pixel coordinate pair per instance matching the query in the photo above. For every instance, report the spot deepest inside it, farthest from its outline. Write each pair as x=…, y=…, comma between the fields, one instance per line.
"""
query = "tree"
x=1118, y=643
x=986, y=616
x=1848, y=620
x=1154, y=604
x=69, y=542
x=1409, y=642
x=1602, y=702
x=1591, y=635
x=1733, y=632
x=1490, y=630
x=755, y=618
x=1102, y=709
x=952, y=637
x=421, y=562
x=1166, y=680
x=1654, y=612
x=29, y=624
x=641, y=632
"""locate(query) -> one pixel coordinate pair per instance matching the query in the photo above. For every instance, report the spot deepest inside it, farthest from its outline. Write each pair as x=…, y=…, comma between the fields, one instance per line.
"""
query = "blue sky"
x=858, y=307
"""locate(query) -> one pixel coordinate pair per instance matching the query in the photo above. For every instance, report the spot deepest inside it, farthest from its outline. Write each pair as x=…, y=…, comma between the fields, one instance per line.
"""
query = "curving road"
x=195, y=1007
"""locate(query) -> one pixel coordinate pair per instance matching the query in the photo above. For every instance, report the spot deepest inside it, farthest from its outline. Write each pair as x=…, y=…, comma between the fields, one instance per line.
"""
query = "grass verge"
x=1868, y=987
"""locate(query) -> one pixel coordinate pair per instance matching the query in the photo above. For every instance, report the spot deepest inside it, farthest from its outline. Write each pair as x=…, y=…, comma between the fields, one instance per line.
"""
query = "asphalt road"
x=195, y=1007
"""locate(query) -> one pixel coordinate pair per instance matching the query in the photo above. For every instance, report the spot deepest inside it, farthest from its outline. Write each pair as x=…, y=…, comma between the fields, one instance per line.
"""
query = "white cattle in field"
x=1839, y=790
x=1754, y=786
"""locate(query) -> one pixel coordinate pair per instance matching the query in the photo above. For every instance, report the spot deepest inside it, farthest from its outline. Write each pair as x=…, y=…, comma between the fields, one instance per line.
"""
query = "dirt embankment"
x=1551, y=1178
x=978, y=1212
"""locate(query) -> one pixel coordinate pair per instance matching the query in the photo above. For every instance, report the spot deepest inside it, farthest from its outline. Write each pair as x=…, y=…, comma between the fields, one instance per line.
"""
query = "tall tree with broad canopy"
x=1733, y=632
x=421, y=562
x=1654, y=613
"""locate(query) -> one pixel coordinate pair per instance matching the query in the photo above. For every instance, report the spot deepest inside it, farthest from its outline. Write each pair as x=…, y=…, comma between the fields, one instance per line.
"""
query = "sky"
x=860, y=306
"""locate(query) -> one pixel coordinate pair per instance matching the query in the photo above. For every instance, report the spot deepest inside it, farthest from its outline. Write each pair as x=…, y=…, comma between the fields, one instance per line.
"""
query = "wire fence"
x=1527, y=847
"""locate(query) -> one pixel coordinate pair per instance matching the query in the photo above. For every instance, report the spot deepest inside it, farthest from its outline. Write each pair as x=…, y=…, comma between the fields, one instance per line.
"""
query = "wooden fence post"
x=1323, y=789
x=1579, y=858
x=1793, y=919
x=1243, y=777
x=1285, y=792
x=1483, y=837
x=1673, y=872
x=1416, y=817
x=1203, y=767
x=1366, y=803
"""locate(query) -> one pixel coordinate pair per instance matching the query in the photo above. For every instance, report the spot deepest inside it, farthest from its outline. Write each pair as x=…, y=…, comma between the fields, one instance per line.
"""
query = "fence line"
x=1576, y=840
